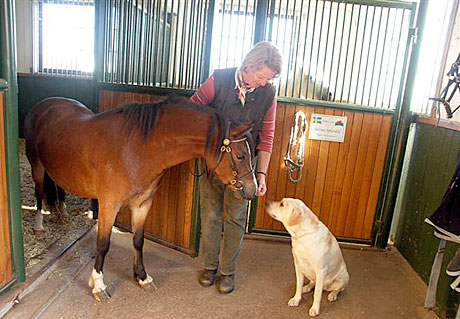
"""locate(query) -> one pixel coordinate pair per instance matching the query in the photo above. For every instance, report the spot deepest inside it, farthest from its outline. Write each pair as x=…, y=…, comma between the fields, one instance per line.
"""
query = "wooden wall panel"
x=340, y=181
x=170, y=217
x=6, y=272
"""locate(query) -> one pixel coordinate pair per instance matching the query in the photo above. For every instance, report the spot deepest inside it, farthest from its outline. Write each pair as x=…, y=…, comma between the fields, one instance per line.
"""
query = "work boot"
x=207, y=277
x=227, y=284
x=453, y=268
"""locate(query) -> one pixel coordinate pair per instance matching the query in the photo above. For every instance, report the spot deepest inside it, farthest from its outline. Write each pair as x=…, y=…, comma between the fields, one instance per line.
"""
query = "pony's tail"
x=50, y=190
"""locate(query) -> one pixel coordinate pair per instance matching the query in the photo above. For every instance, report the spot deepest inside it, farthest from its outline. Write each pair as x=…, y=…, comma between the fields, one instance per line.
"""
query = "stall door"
x=340, y=181
x=6, y=273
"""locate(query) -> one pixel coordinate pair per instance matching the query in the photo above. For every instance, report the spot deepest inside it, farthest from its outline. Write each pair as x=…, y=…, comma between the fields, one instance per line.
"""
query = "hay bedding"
x=79, y=210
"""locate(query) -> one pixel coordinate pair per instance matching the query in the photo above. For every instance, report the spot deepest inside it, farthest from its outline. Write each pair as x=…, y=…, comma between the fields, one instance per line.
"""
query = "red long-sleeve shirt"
x=205, y=95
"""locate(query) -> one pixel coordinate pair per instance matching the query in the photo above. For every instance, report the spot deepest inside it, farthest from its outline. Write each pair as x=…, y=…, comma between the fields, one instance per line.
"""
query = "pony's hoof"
x=101, y=296
x=38, y=232
x=147, y=284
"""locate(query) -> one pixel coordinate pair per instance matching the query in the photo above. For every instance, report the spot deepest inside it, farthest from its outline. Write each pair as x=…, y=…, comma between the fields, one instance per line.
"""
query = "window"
x=64, y=37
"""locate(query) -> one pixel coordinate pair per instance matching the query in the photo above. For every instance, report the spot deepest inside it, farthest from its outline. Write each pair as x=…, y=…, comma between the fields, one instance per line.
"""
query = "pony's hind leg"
x=61, y=202
x=38, y=173
x=107, y=214
x=138, y=216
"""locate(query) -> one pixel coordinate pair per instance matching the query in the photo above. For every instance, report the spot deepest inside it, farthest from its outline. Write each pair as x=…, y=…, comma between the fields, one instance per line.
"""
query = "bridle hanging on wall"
x=454, y=78
x=295, y=153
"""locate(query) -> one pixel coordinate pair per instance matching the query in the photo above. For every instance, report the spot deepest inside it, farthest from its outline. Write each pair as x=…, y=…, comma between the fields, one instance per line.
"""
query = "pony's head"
x=233, y=162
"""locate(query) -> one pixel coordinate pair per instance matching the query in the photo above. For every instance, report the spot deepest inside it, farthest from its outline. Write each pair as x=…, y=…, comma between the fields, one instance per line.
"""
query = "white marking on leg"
x=38, y=226
x=96, y=281
x=147, y=280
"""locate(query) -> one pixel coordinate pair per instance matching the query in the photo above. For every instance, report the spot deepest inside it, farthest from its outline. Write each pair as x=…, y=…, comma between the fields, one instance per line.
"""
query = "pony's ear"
x=295, y=218
x=241, y=129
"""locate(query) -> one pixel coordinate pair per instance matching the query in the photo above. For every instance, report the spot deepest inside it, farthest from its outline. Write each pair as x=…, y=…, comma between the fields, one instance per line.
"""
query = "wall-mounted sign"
x=327, y=127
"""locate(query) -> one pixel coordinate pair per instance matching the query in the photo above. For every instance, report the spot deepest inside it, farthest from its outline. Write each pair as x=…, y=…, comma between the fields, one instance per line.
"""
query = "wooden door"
x=172, y=219
x=340, y=181
x=6, y=273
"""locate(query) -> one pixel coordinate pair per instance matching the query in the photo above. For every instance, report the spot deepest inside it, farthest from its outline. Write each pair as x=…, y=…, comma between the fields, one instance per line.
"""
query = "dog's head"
x=289, y=211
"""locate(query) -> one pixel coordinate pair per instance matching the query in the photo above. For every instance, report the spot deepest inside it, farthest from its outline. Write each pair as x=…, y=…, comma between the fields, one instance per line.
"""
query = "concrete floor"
x=382, y=285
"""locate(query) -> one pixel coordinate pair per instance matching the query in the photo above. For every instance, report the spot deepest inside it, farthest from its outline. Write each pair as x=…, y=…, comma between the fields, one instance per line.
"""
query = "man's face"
x=254, y=78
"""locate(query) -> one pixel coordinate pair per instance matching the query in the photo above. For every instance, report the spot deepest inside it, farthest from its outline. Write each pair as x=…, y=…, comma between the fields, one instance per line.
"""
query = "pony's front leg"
x=138, y=215
x=107, y=214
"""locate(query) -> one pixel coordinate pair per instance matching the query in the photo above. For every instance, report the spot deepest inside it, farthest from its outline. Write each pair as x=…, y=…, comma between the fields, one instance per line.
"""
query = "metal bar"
x=162, y=47
x=206, y=69
x=253, y=29
x=168, y=58
x=271, y=14
x=182, y=45
x=155, y=48
x=286, y=85
x=244, y=27
x=346, y=53
x=40, y=36
x=304, y=49
x=290, y=42
x=381, y=59
x=175, y=45
x=389, y=59
x=361, y=55
x=325, y=50
x=317, y=55
x=199, y=46
x=235, y=50
x=129, y=37
x=141, y=41
x=311, y=51
x=297, y=50
x=189, y=45
x=228, y=29
x=375, y=55
x=354, y=53
x=152, y=43
x=123, y=44
x=394, y=70
x=260, y=21
x=340, y=50
x=136, y=44
x=369, y=51
x=222, y=30
x=100, y=39
x=193, y=41
x=333, y=50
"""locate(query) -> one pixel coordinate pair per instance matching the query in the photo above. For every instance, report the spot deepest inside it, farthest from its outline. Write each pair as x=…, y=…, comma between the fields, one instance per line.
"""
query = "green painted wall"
x=32, y=89
x=433, y=157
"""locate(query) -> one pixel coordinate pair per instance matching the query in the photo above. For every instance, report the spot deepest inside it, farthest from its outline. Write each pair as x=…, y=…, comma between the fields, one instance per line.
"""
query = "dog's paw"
x=313, y=312
x=307, y=288
x=332, y=296
x=293, y=302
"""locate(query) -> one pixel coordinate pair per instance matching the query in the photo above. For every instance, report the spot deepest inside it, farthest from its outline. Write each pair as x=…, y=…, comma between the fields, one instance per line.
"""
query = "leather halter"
x=236, y=182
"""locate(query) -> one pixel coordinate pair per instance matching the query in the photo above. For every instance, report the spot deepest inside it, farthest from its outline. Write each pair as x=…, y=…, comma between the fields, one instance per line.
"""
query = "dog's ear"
x=295, y=218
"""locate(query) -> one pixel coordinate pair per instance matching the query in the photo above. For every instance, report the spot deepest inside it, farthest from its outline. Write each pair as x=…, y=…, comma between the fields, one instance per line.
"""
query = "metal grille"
x=343, y=51
x=64, y=37
x=154, y=43
x=233, y=32
x=352, y=52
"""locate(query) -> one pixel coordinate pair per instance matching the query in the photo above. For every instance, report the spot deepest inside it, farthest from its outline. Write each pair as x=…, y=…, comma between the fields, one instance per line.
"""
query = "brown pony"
x=119, y=158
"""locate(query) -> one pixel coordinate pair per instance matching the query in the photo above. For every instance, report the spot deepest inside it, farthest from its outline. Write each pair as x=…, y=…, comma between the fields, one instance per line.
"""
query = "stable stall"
x=342, y=122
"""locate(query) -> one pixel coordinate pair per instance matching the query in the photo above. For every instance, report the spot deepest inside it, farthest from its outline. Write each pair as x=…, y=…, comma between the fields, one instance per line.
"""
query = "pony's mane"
x=143, y=117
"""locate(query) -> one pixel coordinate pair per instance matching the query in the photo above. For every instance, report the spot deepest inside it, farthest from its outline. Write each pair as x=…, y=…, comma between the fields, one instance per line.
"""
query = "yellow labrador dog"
x=316, y=252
